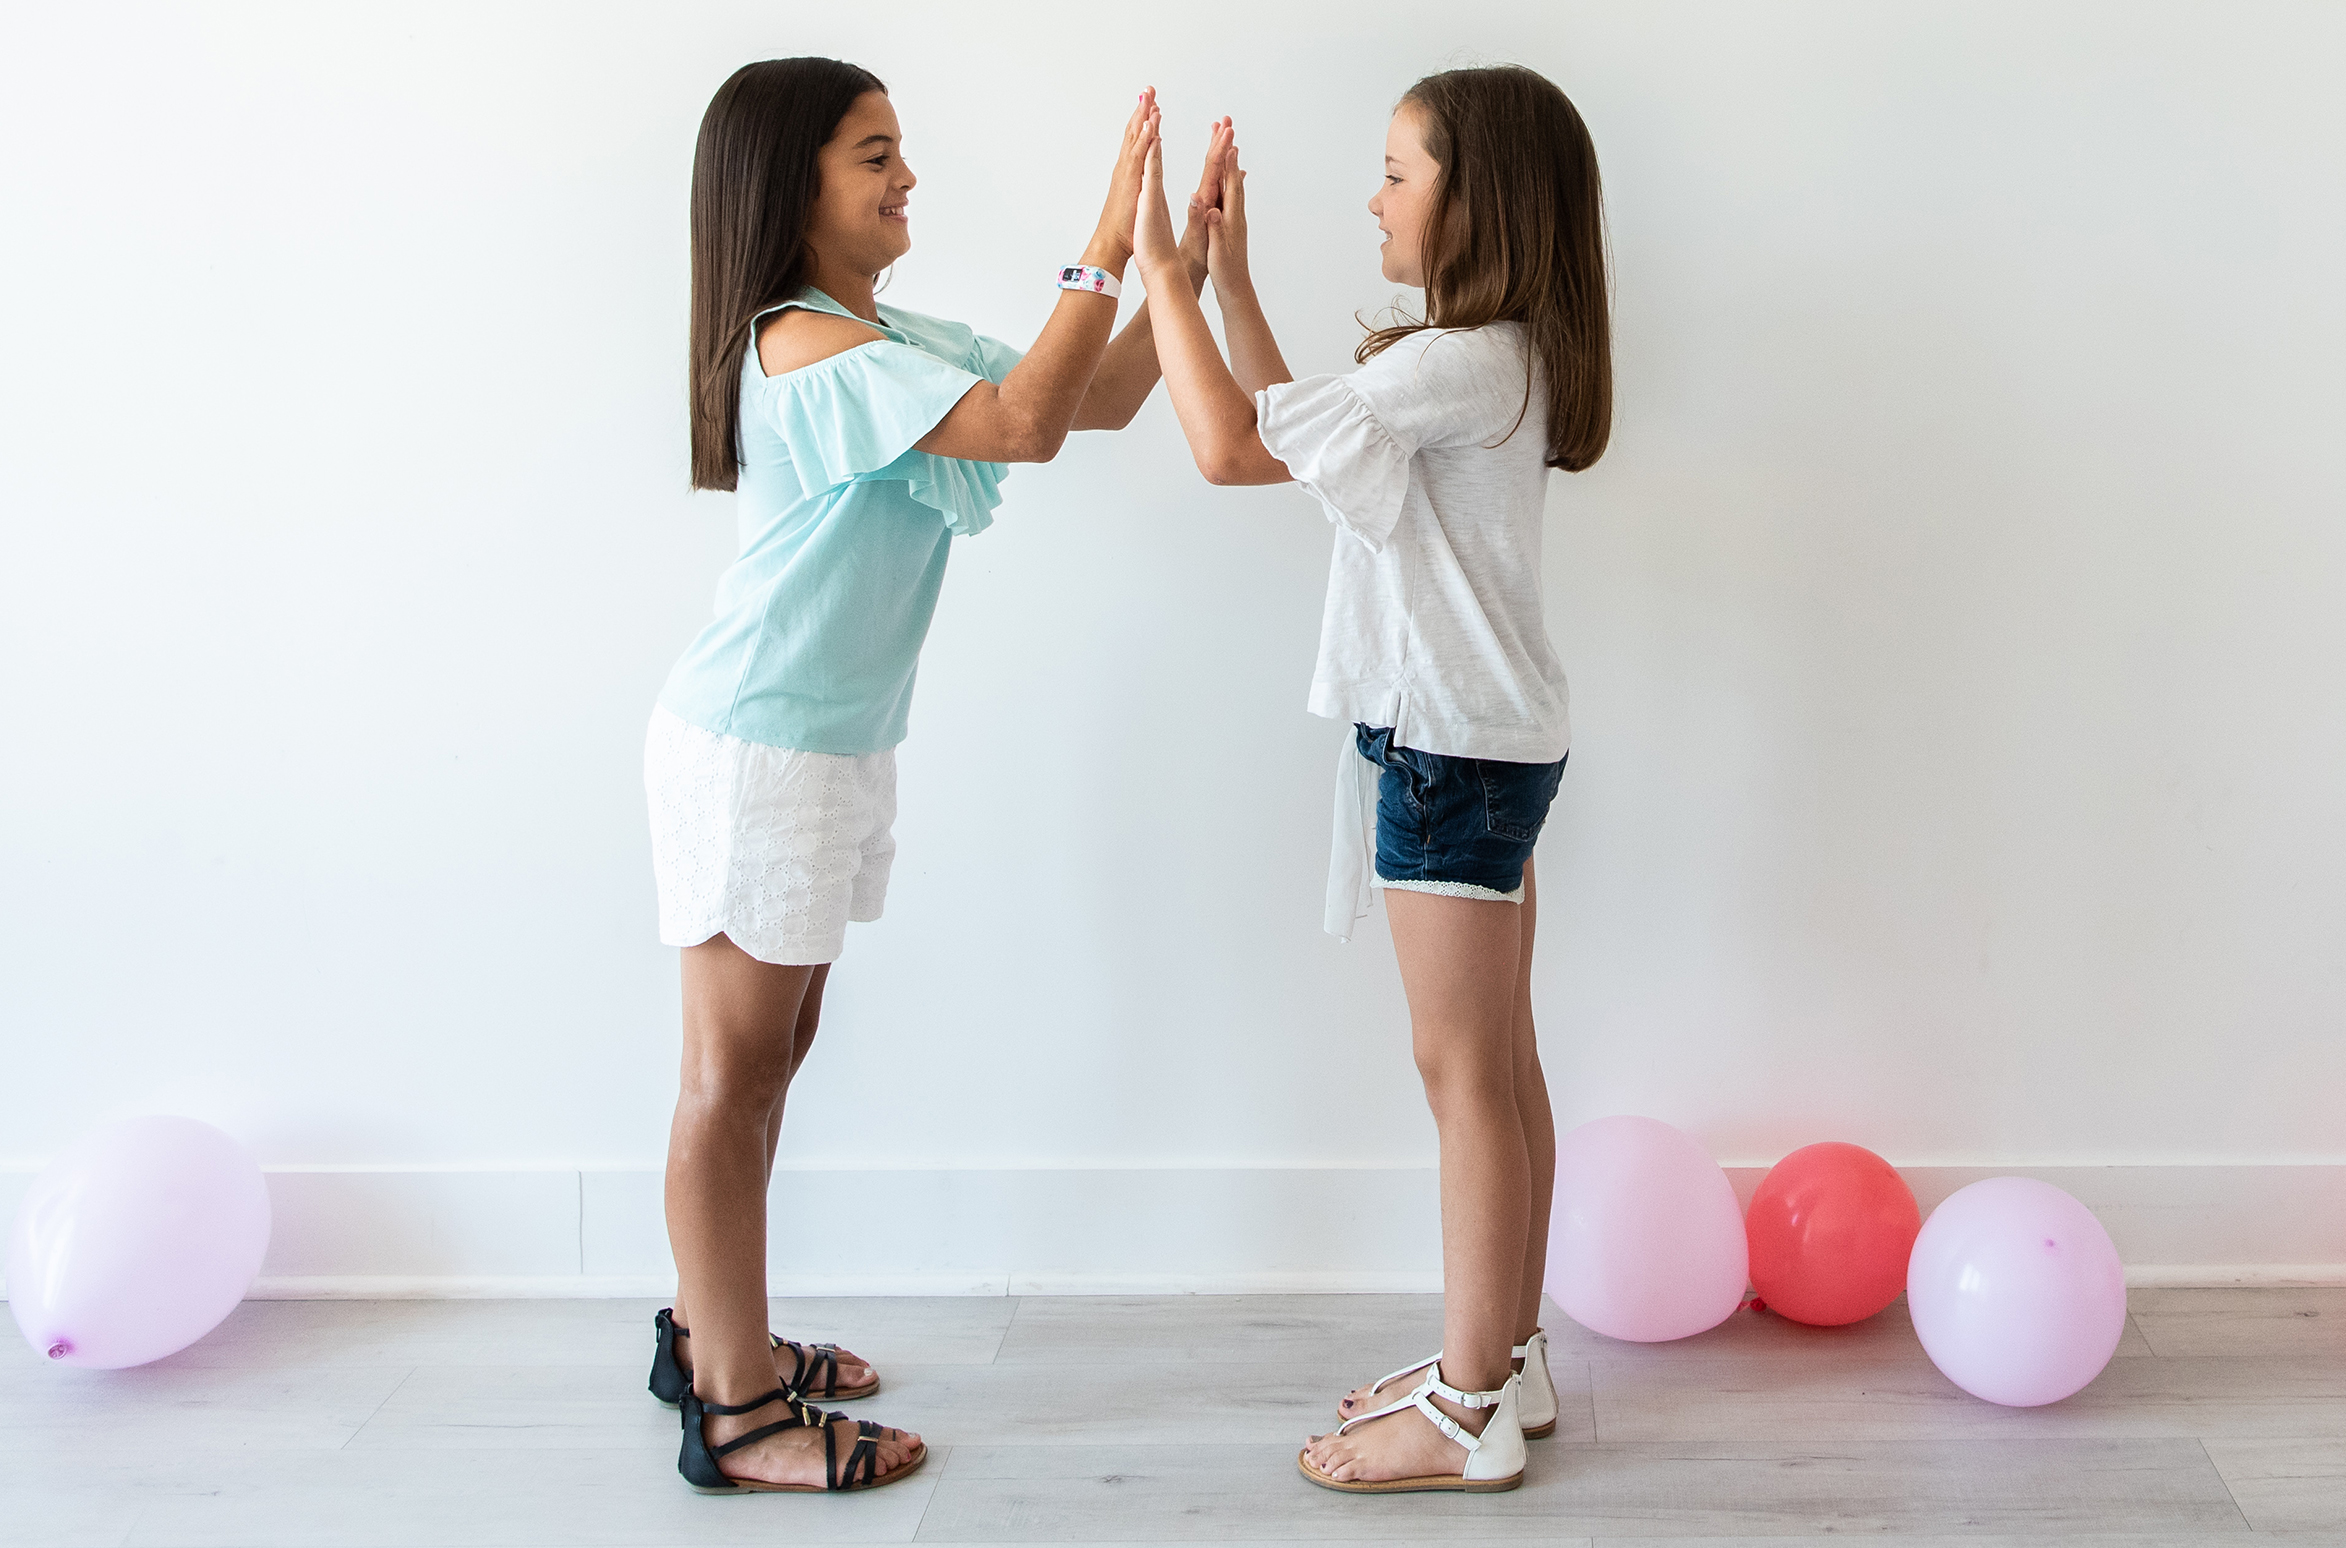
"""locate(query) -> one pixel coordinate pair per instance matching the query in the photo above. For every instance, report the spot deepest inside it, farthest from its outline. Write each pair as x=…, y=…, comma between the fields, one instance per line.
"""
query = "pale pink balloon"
x=2016, y=1292
x=1646, y=1241
x=136, y=1242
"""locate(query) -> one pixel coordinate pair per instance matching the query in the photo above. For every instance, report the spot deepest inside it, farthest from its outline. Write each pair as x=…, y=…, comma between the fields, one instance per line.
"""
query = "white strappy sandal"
x=1494, y=1459
x=1538, y=1400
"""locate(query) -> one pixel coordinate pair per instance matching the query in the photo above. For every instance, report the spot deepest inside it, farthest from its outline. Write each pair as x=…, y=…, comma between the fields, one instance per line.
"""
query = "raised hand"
x=1209, y=193
x=1154, y=244
x=1226, y=228
x=1140, y=137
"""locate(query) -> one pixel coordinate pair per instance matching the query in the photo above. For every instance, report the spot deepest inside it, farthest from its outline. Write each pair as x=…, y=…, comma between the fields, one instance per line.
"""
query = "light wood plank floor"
x=524, y=1424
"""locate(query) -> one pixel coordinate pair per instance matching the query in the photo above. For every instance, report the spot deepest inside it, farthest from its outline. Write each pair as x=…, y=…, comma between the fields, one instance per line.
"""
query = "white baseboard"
x=410, y=1234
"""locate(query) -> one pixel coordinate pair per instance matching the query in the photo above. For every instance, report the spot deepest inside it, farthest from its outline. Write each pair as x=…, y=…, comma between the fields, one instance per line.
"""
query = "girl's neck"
x=850, y=289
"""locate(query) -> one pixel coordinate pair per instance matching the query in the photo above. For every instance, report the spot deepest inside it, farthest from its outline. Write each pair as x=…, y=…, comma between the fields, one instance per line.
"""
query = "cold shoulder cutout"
x=857, y=413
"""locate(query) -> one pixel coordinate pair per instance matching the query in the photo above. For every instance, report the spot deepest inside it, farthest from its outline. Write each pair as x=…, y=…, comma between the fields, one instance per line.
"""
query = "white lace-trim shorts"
x=777, y=849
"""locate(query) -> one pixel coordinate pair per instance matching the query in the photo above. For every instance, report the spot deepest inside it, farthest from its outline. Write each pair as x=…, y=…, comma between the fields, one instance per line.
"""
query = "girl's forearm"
x=1255, y=360
x=1027, y=417
x=1048, y=386
x=1217, y=414
x=1128, y=371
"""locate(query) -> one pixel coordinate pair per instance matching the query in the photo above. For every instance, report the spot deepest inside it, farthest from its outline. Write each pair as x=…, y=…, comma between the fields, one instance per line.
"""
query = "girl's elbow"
x=1037, y=443
x=1222, y=465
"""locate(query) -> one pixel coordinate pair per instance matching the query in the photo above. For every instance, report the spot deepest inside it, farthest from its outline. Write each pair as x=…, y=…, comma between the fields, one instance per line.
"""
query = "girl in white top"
x=1432, y=460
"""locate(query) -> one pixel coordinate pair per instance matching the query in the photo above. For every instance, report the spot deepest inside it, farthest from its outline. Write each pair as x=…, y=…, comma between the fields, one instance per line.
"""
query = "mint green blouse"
x=844, y=534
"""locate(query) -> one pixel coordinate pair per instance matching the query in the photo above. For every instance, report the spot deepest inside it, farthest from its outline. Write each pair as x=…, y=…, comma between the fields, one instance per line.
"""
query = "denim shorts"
x=1460, y=826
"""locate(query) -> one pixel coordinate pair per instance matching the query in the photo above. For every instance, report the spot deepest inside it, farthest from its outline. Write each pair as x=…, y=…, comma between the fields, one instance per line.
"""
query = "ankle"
x=730, y=1389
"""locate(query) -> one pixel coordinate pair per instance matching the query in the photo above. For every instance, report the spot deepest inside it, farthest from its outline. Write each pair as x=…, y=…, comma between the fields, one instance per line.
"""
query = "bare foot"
x=853, y=1371
x=1368, y=1399
x=1402, y=1445
x=796, y=1456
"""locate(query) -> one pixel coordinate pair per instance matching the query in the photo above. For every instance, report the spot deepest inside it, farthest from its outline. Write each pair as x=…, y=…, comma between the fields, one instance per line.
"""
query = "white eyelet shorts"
x=776, y=848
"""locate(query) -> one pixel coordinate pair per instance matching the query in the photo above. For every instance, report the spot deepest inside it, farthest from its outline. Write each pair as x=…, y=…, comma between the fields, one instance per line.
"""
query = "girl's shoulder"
x=1447, y=361
x=941, y=334
x=797, y=337
x=1495, y=341
x=954, y=342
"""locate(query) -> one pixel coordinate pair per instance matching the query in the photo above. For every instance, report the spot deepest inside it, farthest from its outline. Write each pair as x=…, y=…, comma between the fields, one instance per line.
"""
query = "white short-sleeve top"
x=1434, y=624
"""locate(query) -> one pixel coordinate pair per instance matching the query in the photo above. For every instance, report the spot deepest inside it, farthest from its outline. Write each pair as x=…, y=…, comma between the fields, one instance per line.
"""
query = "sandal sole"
x=751, y=1486
x=1439, y=1483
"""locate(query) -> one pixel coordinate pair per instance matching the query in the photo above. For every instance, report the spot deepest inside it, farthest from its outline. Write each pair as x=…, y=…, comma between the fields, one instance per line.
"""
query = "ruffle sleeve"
x=1337, y=448
x=856, y=415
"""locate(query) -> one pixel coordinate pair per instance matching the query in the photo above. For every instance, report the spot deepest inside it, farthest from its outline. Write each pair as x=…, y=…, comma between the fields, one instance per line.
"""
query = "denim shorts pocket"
x=1516, y=796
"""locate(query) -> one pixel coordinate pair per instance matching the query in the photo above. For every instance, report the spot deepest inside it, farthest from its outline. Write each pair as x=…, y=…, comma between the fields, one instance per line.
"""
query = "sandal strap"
x=1434, y=1383
x=1423, y=1400
x=794, y=1422
x=681, y=1331
x=1522, y=1351
x=1399, y=1405
x=782, y=1393
x=798, y=1413
x=863, y=1460
x=813, y=1361
x=1382, y=1382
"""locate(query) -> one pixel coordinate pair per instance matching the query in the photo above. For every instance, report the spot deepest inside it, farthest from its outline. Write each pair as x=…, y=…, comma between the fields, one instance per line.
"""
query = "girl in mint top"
x=859, y=440
x=845, y=529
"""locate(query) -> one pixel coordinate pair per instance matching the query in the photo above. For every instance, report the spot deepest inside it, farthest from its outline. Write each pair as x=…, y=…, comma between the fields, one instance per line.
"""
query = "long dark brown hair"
x=754, y=181
x=1517, y=234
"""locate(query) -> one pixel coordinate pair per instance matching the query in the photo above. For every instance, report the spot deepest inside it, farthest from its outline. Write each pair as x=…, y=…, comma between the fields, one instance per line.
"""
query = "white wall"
x=1954, y=623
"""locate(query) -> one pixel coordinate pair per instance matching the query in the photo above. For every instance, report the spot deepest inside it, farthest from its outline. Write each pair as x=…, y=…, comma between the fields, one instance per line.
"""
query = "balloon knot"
x=1758, y=1305
x=60, y=1350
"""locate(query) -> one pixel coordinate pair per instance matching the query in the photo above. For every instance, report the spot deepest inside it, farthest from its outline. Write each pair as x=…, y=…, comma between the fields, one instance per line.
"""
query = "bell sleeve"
x=1337, y=448
x=856, y=414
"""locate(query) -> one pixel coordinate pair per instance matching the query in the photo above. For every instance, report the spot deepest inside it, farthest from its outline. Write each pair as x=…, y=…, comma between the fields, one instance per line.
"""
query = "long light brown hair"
x=1516, y=233
x=755, y=178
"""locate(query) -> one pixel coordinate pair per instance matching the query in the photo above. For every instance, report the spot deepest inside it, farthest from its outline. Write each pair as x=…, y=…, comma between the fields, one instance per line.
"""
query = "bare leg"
x=740, y=1046
x=853, y=1372
x=1461, y=964
x=810, y=1013
x=1539, y=1126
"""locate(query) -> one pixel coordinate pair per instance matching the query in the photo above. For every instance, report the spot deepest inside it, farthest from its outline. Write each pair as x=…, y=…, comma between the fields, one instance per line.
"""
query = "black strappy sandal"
x=697, y=1461
x=816, y=1376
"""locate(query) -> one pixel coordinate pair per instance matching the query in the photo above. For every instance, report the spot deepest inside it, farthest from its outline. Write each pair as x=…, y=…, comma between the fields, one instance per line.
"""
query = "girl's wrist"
x=1161, y=265
x=1107, y=252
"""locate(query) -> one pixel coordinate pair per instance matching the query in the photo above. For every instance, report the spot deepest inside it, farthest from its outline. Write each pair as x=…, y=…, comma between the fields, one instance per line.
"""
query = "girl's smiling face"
x=860, y=220
x=1406, y=202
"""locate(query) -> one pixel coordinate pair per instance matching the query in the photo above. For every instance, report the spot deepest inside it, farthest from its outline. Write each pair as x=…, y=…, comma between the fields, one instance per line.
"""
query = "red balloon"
x=1831, y=1228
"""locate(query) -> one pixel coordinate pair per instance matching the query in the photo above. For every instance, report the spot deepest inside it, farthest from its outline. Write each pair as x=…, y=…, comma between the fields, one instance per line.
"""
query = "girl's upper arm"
x=1440, y=387
x=980, y=428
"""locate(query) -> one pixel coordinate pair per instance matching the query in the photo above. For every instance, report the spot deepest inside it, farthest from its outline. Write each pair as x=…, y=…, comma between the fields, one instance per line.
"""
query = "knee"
x=1459, y=1077
x=738, y=1082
